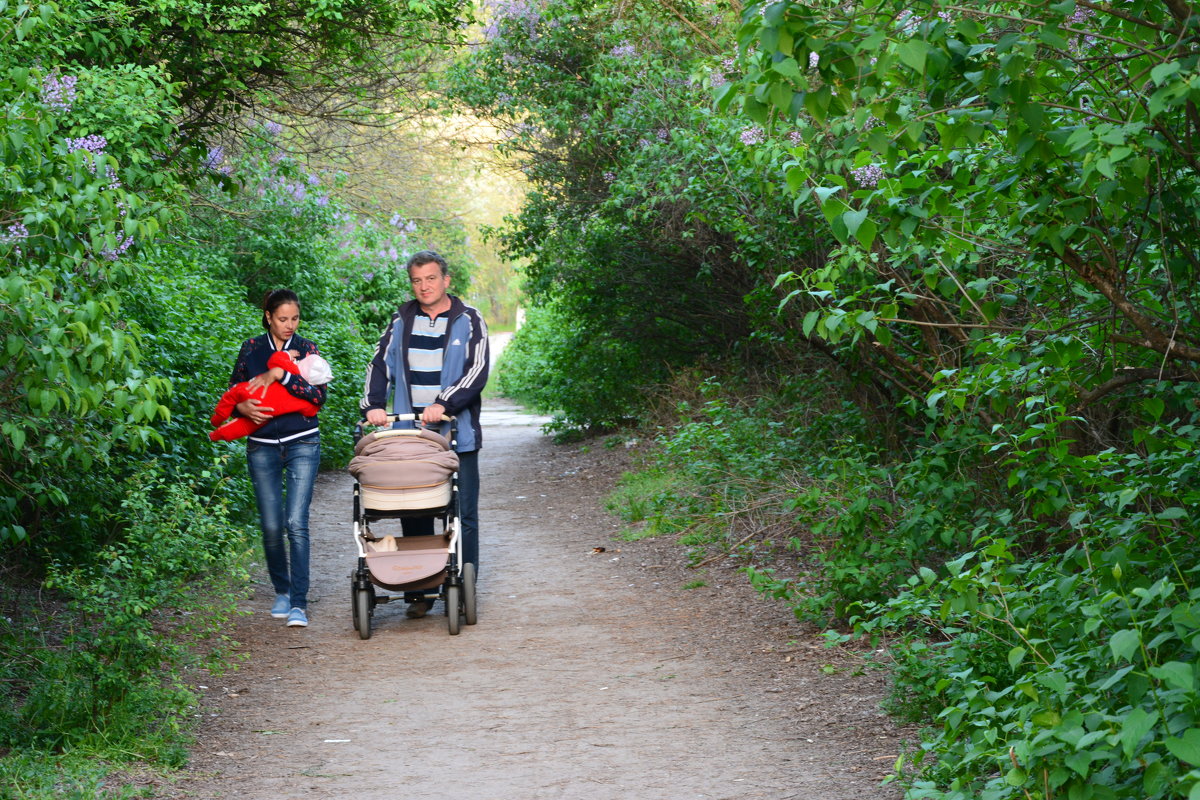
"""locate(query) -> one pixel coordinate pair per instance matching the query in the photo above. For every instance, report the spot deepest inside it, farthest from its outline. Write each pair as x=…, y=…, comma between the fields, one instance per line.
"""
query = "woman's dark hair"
x=274, y=299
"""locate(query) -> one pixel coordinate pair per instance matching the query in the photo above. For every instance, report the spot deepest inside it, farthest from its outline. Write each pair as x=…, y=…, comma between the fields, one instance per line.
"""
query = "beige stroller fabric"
x=404, y=469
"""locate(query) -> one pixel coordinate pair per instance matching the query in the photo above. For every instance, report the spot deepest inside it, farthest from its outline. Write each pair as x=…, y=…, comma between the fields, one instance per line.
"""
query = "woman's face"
x=284, y=321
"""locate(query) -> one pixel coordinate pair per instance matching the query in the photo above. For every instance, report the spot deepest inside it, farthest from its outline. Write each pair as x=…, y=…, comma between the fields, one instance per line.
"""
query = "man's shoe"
x=283, y=604
x=297, y=618
x=417, y=609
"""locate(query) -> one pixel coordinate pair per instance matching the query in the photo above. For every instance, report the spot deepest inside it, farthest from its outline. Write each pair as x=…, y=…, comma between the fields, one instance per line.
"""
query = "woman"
x=284, y=454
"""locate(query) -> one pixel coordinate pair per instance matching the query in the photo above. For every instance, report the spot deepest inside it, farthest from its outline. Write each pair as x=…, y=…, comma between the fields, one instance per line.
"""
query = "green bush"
x=137, y=612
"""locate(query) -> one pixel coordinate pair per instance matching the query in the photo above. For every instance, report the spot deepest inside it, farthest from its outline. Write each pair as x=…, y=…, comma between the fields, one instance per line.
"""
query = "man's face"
x=429, y=284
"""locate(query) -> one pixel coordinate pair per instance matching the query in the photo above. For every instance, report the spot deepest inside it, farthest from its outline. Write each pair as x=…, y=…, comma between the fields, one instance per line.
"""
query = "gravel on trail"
x=594, y=671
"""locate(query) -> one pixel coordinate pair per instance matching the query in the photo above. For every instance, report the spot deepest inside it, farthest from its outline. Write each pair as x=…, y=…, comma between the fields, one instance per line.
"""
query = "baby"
x=312, y=368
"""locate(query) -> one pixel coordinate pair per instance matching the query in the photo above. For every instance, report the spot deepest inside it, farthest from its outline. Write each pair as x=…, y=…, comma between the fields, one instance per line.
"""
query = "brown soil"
x=590, y=675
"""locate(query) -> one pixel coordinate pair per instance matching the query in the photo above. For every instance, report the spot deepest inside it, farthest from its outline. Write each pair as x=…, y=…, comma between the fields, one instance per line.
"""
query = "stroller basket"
x=416, y=563
x=404, y=470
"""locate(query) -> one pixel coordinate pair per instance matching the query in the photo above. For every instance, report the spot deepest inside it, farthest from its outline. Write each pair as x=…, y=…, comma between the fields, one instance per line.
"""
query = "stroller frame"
x=454, y=584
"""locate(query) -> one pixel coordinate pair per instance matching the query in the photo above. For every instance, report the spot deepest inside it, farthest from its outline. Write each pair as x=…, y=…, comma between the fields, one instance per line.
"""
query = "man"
x=433, y=361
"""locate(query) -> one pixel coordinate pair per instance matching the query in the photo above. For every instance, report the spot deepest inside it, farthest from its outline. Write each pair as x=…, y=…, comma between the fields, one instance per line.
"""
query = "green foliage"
x=636, y=230
x=551, y=367
x=1012, y=192
x=128, y=260
x=649, y=499
x=38, y=776
x=136, y=615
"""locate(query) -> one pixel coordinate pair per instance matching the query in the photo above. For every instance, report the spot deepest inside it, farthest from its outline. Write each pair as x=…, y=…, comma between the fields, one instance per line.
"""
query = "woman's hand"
x=264, y=380
x=254, y=410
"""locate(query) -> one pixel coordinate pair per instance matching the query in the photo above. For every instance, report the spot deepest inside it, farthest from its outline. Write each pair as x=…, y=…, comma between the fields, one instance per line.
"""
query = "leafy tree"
x=641, y=228
x=1009, y=188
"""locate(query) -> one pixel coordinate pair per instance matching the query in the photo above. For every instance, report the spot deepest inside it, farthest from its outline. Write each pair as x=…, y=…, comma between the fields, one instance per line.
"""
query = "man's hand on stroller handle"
x=431, y=415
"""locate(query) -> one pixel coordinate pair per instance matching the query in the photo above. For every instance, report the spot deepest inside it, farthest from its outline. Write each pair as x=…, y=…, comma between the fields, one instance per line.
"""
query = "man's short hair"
x=424, y=257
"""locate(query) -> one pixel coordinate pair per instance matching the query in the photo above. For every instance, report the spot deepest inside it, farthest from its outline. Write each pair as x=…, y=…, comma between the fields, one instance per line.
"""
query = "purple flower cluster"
x=405, y=227
x=272, y=128
x=116, y=252
x=216, y=155
x=663, y=134
x=59, y=92
x=521, y=13
x=1082, y=15
x=872, y=122
x=93, y=144
x=752, y=136
x=14, y=235
x=796, y=138
x=623, y=50
x=868, y=177
x=16, y=232
x=609, y=176
x=643, y=143
x=813, y=60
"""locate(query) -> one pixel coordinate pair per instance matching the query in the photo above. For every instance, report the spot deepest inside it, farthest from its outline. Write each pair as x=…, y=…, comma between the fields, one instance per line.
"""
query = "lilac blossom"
x=623, y=50
x=93, y=144
x=59, y=92
x=116, y=252
x=272, y=128
x=796, y=138
x=752, y=136
x=813, y=60
x=14, y=233
x=1082, y=15
x=643, y=143
x=215, y=156
x=869, y=176
x=609, y=176
x=663, y=134
x=522, y=13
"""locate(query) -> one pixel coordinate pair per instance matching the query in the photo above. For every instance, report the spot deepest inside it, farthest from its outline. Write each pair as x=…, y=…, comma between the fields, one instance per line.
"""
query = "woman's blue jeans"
x=280, y=512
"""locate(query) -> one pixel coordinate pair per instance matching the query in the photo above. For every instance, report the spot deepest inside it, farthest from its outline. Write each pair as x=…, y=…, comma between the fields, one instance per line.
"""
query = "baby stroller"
x=408, y=473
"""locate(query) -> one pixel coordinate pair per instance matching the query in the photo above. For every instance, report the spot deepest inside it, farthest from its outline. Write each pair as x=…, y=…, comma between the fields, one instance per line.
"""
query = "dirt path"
x=589, y=675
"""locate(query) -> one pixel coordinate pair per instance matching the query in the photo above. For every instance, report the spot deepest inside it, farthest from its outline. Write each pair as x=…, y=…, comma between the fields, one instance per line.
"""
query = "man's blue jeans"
x=296, y=462
x=468, y=510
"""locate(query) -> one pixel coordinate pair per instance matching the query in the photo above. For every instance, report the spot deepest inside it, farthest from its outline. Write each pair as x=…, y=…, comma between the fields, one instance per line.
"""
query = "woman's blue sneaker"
x=297, y=619
x=283, y=604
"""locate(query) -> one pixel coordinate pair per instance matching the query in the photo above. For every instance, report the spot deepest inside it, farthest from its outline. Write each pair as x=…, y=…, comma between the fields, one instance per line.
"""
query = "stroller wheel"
x=470, y=615
x=362, y=611
x=453, y=609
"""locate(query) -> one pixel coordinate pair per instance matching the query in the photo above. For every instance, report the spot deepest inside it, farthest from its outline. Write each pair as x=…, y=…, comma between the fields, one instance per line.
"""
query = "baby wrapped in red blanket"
x=312, y=368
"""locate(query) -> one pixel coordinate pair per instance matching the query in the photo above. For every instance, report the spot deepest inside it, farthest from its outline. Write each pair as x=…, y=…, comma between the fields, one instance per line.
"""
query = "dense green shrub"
x=134, y=615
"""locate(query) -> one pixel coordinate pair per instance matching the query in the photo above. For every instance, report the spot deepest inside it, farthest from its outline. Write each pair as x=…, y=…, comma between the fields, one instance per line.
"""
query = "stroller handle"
x=358, y=429
x=413, y=418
